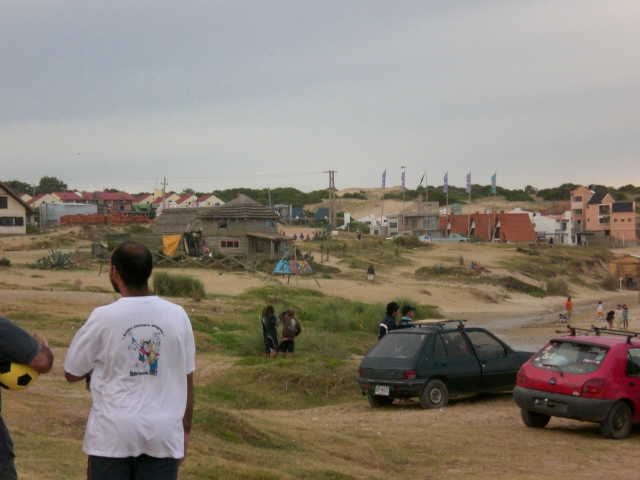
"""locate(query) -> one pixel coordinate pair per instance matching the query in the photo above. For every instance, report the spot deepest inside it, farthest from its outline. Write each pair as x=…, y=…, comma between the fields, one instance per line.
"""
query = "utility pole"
x=164, y=190
x=332, y=199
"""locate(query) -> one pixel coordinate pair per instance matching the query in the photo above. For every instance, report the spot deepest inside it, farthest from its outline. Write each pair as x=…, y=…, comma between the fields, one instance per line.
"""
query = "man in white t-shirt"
x=139, y=353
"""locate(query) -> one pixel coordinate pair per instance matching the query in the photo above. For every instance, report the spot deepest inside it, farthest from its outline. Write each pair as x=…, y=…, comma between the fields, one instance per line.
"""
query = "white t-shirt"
x=140, y=350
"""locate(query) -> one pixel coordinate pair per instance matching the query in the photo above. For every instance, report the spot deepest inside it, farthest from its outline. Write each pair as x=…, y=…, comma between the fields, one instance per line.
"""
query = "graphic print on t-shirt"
x=145, y=341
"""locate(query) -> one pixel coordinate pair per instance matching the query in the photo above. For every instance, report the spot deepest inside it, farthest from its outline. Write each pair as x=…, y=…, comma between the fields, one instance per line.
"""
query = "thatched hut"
x=176, y=221
x=243, y=228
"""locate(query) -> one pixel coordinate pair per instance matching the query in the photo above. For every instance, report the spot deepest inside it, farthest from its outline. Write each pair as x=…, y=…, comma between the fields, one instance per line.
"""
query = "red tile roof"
x=68, y=196
x=516, y=227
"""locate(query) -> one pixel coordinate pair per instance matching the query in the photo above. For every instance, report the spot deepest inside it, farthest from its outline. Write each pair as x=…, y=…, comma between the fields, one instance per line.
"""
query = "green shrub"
x=5, y=262
x=137, y=228
x=32, y=229
x=514, y=285
x=609, y=282
x=172, y=285
x=558, y=286
x=111, y=245
x=407, y=241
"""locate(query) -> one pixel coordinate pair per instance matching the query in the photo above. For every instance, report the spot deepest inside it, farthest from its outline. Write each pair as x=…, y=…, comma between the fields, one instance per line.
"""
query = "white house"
x=13, y=212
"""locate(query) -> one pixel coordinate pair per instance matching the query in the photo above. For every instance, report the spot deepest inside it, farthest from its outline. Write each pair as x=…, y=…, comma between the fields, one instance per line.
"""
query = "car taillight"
x=359, y=372
x=521, y=377
x=410, y=375
x=594, y=386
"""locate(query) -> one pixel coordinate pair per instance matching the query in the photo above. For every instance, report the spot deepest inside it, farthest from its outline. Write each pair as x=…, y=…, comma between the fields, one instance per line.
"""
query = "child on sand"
x=600, y=312
x=625, y=317
x=569, y=307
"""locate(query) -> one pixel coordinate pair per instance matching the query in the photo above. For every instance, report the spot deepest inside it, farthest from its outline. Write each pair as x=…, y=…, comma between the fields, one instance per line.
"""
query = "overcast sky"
x=218, y=95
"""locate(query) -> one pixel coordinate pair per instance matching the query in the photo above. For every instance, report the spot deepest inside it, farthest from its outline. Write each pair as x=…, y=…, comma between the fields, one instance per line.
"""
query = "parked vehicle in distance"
x=424, y=238
x=588, y=378
x=453, y=237
x=435, y=361
x=393, y=237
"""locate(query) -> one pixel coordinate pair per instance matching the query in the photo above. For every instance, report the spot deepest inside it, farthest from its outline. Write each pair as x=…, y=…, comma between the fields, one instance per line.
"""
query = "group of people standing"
x=290, y=330
x=620, y=316
x=389, y=323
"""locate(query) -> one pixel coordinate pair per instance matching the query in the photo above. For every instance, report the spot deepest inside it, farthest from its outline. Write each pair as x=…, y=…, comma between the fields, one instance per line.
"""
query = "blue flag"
x=402, y=181
x=493, y=184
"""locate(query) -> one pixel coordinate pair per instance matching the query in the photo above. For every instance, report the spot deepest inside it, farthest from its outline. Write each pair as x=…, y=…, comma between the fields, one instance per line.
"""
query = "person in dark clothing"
x=388, y=323
x=408, y=313
x=270, y=332
x=17, y=346
x=370, y=273
x=290, y=330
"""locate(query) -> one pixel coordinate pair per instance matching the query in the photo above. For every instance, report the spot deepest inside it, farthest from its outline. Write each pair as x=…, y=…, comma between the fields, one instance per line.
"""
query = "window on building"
x=4, y=202
x=615, y=220
x=577, y=198
x=229, y=244
x=12, y=221
x=577, y=211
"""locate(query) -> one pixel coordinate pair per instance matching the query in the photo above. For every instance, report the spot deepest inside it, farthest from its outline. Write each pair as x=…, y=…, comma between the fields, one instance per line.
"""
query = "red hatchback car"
x=593, y=378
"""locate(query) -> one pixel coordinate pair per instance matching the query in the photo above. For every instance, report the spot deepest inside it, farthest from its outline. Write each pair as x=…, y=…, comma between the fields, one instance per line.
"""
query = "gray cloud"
x=233, y=94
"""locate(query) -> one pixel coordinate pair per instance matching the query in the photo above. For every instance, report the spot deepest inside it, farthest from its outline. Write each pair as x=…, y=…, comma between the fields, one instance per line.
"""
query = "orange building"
x=599, y=214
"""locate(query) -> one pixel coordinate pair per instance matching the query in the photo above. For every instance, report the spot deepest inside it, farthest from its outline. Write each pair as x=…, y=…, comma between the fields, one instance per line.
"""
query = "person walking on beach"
x=569, y=307
x=290, y=330
x=600, y=311
x=625, y=317
x=388, y=323
x=371, y=273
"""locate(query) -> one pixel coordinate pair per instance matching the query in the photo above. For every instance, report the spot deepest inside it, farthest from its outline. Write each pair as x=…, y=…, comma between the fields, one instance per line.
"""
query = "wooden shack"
x=243, y=228
x=627, y=268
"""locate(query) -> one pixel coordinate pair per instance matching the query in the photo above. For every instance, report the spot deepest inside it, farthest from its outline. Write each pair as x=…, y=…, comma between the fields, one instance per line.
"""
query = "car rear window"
x=569, y=357
x=398, y=346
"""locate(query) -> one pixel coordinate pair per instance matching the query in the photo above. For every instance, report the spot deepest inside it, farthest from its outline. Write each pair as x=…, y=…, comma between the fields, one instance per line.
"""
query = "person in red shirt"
x=569, y=308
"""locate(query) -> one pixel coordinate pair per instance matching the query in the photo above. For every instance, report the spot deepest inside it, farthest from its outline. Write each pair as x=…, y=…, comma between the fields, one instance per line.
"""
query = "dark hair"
x=392, y=307
x=134, y=263
x=268, y=310
x=286, y=313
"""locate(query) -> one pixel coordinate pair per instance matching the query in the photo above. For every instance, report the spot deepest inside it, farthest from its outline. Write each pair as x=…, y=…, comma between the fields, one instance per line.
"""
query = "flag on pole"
x=384, y=177
x=469, y=182
x=445, y=188
x=402, y=177
x=422, y=179
x=493, y=184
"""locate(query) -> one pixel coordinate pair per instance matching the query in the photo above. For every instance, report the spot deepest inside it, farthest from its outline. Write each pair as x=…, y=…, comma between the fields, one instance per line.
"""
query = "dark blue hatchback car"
x=436, y=361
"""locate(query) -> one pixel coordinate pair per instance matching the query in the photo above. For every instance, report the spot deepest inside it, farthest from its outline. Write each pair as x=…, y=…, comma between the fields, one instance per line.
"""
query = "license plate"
x=382, y=390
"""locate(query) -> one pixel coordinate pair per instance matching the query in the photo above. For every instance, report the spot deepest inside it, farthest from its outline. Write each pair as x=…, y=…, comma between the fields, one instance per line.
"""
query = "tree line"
x=295, y=197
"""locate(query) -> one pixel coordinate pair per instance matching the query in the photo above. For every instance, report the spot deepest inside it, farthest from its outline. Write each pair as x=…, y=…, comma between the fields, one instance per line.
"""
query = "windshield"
x=398, y=346
x=570, y=357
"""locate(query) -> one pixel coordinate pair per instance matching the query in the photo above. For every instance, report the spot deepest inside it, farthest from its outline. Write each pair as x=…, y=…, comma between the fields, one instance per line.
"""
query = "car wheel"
x=534, y=419
x=434, y=395
x=376, y=401
x=618, y=423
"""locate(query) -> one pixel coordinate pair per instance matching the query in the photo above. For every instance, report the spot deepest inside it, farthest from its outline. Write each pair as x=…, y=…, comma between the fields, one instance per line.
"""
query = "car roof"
x=608, y=340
